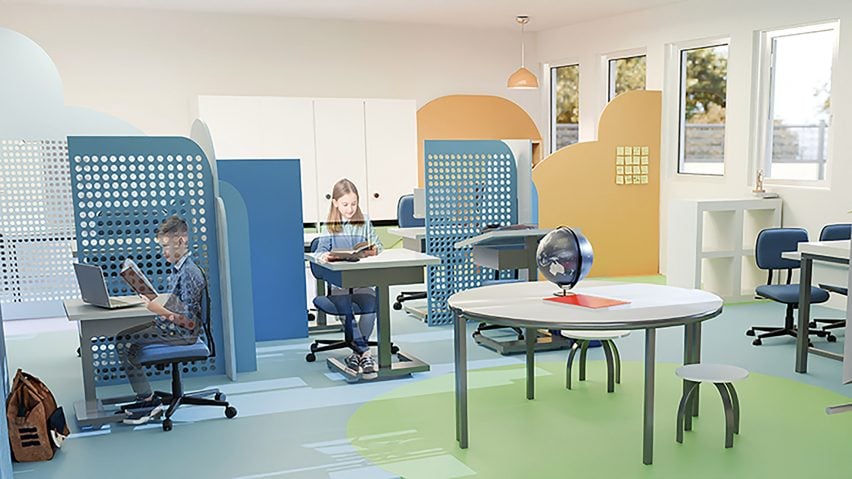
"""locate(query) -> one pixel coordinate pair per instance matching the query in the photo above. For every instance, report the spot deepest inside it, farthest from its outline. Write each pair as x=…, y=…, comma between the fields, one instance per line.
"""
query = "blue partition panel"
x=5, y=448
x=239, y=262
x=122, y=188
x=272, y=192
x=469, y=185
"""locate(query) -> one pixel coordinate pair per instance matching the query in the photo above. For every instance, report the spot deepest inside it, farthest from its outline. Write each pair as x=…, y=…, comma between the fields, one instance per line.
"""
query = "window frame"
x=549, y=71
x=763, y=108
x=677, y=68
x=606, y=69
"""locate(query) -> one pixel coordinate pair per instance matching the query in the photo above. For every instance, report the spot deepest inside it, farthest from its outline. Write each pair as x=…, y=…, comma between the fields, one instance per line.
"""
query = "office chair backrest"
x=205, y=312
x=836, y=232
x=772, y=242
x=405, y=213
x=316, y=271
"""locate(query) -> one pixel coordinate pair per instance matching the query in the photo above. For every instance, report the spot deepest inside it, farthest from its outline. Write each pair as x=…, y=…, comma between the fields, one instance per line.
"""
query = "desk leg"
x=460, y=350
x=87, y=360
x=384, y=327
x=322, y=319
x=648, y=424
x=804, y=314
x=531, y=337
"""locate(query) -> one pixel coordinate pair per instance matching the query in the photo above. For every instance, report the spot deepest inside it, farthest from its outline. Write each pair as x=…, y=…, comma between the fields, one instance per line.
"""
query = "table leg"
x=531, y=337
x=322, y=320
x=648, y=420
x=87, y=360
x=460, y=351
x=804, y=314
x=384, y=332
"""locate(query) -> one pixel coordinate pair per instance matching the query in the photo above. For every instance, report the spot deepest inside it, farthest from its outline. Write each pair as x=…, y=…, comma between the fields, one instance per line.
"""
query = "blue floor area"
x=293, y=415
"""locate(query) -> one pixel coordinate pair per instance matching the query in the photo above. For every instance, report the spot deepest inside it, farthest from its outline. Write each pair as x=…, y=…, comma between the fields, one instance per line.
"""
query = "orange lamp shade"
x=522, y=79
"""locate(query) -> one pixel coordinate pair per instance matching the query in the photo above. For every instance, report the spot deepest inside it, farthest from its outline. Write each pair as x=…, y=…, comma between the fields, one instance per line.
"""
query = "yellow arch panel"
x=472, y=117
x=577, y=187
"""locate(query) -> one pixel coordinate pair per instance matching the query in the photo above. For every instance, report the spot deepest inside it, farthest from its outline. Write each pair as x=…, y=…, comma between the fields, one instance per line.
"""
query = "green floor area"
x=585, y=431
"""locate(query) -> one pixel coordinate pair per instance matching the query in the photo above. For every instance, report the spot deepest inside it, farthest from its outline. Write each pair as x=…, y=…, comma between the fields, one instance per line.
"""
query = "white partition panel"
x=340, y=147
x=391, y=136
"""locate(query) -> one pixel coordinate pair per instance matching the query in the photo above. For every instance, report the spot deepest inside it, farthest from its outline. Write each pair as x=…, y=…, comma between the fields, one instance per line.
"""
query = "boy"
x=178, y=321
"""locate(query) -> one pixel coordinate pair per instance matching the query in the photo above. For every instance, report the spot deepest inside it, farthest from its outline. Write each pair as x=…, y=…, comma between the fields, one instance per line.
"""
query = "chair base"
x=789, y=329
x=613, y=362
x=176, y=397
x=322, y=345
x=408, y=296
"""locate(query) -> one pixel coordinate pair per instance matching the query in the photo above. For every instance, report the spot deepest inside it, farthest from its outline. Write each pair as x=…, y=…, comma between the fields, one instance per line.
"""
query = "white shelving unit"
x=711, y=244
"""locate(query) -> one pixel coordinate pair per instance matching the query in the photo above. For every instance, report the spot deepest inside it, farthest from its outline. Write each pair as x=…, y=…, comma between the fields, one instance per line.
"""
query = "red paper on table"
x=586, y=301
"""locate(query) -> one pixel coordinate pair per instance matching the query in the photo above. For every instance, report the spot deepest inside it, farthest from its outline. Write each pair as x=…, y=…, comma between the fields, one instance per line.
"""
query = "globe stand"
x=564, y=292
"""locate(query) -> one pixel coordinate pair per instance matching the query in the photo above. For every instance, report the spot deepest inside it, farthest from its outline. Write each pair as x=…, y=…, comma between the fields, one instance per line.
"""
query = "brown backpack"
x=36, y=426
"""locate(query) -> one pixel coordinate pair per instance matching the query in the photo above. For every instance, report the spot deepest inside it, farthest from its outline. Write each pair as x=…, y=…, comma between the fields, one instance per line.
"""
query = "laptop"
x=93, y=288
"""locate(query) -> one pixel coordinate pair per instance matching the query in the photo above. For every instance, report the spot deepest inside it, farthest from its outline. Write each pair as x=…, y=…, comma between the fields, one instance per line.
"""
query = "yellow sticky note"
x=636, y=179
x=619, y=160
x=645, y=170
x=644, y=150
x=619, y=180
x=637, y=150
x=644, y=179
x=628, y=160
x=628, y=180
x=644, y=160
x=619, y=170
x=619, y=150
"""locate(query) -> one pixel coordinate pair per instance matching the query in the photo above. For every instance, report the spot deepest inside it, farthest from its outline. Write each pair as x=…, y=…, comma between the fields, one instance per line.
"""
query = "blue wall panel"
x=272, y=193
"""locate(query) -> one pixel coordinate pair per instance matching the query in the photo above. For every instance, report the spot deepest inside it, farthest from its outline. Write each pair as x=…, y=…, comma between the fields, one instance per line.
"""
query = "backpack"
x=36, y=426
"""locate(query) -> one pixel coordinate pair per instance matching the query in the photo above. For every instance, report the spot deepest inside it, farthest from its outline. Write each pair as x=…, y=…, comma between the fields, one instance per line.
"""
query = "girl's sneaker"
x=368, y=367
x=353, y=363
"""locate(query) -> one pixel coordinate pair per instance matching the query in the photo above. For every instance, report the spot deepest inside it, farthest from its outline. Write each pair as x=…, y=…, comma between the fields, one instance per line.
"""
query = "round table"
x=523, y=305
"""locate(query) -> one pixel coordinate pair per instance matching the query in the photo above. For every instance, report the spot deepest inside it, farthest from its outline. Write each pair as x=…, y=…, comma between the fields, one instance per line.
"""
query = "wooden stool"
x=722, y=376
x=581, y=342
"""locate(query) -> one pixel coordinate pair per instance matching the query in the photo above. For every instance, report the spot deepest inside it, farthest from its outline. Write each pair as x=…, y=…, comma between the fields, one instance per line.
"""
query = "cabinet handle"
x=375, y=195
x=328, y=196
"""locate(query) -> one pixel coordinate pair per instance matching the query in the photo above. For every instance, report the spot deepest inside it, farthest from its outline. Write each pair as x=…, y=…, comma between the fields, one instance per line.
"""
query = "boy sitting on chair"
x=178, y=320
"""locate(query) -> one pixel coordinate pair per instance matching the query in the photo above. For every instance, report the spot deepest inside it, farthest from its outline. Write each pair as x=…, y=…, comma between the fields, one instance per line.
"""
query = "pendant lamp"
x=522, y=79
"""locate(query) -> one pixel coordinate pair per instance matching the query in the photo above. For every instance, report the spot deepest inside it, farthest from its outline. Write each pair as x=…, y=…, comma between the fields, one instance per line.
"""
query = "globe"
x=564, y=257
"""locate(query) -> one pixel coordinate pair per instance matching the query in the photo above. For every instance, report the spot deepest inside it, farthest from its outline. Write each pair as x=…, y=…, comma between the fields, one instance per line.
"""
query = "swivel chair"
x=771, y=243
x=834, y=232
x=162, y=355
x=338, y=305
x=405, y=218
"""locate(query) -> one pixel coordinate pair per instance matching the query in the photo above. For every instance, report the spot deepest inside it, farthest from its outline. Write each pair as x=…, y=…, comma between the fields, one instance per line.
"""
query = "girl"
x=346, y=227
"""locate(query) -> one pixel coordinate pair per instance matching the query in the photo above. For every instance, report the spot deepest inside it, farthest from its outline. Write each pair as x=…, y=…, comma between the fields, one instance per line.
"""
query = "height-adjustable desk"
x=390, y=267
x=511, y=249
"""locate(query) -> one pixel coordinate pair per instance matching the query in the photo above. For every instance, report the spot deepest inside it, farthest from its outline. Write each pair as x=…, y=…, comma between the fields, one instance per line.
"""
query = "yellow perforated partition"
x=610, y=188
x=473, y=117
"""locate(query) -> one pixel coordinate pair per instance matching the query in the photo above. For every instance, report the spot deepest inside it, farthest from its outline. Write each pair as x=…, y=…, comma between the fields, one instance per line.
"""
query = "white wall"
x=692, y=20
x=146, y=67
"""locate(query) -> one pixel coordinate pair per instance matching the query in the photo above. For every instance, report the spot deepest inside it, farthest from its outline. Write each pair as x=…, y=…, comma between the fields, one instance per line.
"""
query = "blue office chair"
x=405, y=218
x=162, y=355
x=835, y=232
x=338, y=305
x=771, y=243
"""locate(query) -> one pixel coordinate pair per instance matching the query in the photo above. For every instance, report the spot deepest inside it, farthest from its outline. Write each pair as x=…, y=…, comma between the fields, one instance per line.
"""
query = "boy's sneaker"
x=368, y=367
x=137, y=417
x=353, y=363
x=145, y=404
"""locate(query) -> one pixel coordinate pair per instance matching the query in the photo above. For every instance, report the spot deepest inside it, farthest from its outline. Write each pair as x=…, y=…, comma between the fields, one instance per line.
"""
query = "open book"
x=359, y=251
x=134, y=277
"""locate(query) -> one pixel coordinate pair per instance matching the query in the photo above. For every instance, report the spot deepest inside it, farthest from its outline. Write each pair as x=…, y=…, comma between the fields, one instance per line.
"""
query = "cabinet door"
x=391, y=154
x=287, y=131
x=340, y=150
x=231, y=120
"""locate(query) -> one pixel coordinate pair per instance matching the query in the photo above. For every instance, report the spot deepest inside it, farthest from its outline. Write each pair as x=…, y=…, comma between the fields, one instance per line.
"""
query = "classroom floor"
x=298, y=420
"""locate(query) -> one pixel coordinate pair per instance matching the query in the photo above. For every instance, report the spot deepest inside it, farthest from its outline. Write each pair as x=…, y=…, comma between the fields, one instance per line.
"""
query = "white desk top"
x=389, y=258
x=77, y=310
x=415, y=233
x=500, y=236
x=832, y=249
x=523, y=304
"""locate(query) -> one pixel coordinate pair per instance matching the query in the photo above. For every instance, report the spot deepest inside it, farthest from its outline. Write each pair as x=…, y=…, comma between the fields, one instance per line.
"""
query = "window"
x=564, y=105
x=625, y=74
x=703, y=98
x=797, y=116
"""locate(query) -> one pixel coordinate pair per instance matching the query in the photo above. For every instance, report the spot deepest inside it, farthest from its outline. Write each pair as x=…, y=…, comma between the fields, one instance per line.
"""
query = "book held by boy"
x=137, y=280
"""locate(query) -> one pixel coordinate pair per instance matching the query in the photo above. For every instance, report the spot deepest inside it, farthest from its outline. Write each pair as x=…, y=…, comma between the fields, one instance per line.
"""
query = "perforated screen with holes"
x=36, y=222
x=122, y=188
x=469, y=185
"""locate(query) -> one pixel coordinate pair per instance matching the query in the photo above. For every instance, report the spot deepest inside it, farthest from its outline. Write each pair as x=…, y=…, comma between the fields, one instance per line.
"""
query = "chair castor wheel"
x=311, y=317
x=397, y=306
x=831, y=338
x=230, y=412
x=167, y=425
x=394, y=349
x=310, y=357
x=757, y=342
x=220, y=397
x=750, y=332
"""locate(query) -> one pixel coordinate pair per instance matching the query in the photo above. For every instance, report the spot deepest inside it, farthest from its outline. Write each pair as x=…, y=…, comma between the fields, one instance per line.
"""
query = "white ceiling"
x=544, y=14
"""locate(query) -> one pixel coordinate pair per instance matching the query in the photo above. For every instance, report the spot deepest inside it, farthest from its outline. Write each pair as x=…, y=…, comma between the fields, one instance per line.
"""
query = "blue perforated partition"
x=271, y=191
x=122, y=188
x=469, y=185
